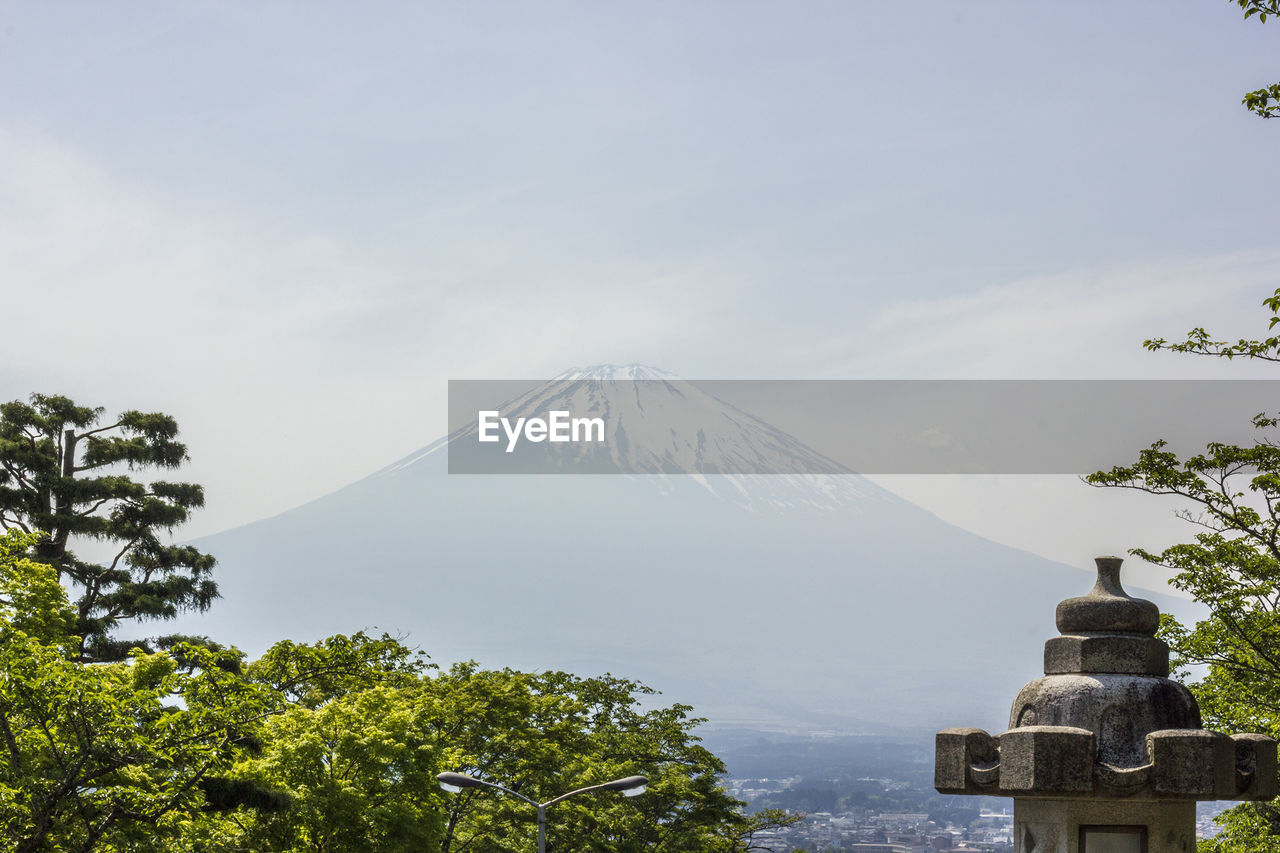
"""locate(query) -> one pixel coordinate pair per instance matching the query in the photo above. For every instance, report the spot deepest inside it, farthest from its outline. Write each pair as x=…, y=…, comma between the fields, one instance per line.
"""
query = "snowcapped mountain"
x=792, y=599
x=659, y=425
x=616, y=373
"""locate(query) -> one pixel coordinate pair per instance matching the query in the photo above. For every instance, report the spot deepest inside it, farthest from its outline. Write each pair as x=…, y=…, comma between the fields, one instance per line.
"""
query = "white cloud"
x=1076, y=325
x=1086, y=324
x=275, y=347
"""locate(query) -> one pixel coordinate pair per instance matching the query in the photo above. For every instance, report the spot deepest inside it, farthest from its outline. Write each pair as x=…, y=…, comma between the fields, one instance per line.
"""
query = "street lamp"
x=628, y=787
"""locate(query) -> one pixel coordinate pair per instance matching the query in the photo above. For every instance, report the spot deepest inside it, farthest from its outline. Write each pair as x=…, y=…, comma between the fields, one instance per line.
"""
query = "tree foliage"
x=1200, y=342
x=67, y=474
x=1265, y=101
x=359, y=772
x=327, y=747
x=359, y=767
x=104, y=757
x=115, y=744
x=1232, y=495
x=549, y=733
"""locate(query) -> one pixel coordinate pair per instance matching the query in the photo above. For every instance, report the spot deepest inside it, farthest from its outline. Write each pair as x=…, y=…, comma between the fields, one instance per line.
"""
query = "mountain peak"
x=652, y=422
x=614, y=372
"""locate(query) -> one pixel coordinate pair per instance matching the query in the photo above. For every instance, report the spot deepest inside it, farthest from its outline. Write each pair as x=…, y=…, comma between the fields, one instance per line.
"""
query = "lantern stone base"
x=1103, y=826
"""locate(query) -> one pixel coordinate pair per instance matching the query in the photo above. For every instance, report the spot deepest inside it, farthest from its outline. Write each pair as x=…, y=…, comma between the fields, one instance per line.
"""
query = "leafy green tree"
x=32, y=601
x=1252, y=828
x=360, y=773
x=64, y=472
x=369, y=725
x=1265, y=101
x=549, y=733
x=1232, y=495
x=344, y=755
x=105, y=757
x=331, y=746
x=309, y=675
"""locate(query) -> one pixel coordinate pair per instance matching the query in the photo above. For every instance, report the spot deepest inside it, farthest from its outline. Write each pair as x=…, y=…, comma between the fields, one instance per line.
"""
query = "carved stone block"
x=1047, y=761
x=1192, y=764
x=958, y=753
x=1255, y=767
x=1121, y=654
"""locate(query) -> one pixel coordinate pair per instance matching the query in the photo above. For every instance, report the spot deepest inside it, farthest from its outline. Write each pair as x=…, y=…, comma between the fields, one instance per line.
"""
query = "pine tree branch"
x=101, y=429
x=17, y=474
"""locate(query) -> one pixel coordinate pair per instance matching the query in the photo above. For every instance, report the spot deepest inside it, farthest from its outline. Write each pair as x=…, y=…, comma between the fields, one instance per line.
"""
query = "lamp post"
x=629, y=786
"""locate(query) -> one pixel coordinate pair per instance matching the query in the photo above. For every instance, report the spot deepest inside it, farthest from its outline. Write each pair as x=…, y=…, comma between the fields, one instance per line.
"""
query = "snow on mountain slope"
x=661, y=426
x=797, y=600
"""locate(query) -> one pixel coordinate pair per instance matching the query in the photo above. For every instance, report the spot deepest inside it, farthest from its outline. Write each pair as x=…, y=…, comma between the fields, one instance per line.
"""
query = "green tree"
x=1232, y=495
x=1265, y=101
x=360, y=774
x=331, y=746
x=66, y=473
x=105, y=757
x=549, y=733
x=31, y=599
x=347, y=754
x=369, y=725
x=309, y=675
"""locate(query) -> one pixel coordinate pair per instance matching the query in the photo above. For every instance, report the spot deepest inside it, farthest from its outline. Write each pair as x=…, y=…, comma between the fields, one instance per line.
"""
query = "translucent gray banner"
x=705, y=427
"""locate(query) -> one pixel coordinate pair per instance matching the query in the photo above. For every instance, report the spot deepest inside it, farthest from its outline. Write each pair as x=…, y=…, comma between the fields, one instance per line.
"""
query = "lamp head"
x=455, y=782
x=630, y=786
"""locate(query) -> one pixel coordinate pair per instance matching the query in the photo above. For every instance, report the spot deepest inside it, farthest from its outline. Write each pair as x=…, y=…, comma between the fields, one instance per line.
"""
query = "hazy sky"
x=288, y=224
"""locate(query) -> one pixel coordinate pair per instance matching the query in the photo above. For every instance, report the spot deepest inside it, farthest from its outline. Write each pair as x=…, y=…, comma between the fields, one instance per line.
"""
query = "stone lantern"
x=1105, y=754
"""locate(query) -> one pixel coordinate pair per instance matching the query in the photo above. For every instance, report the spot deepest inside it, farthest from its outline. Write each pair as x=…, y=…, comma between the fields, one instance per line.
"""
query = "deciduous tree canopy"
x=1232, y=495
x=1265, y=101
x=331, y=747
